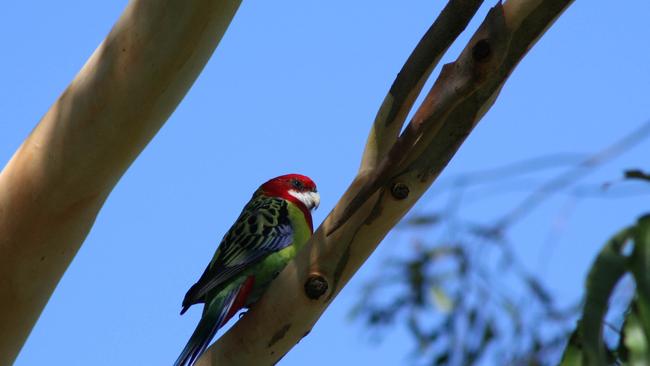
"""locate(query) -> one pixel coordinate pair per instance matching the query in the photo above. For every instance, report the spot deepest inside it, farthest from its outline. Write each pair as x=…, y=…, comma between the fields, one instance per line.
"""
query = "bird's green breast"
x=270, y=267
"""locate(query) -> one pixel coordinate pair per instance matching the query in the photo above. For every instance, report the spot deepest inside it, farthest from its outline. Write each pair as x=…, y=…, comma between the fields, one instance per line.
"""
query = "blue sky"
x=293, y=87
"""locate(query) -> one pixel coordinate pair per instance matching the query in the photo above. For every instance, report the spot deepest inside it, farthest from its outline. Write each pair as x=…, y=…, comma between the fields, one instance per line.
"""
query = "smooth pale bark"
x=53, y=187
x=395, y=172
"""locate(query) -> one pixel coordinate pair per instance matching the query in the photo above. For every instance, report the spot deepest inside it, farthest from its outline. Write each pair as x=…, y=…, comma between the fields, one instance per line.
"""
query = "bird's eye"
x=297, y=184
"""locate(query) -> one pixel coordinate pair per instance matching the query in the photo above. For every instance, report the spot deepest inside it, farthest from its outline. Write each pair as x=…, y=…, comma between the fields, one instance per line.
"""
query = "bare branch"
x=409, y=81
x=379, y=197
x=464, y=91
x=55, y=184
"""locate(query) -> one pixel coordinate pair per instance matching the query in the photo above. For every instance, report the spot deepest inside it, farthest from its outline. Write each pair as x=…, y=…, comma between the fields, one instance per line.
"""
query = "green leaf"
x=640, y=268
x=442, y=359
x=637, y=174
x=423, y=220
x=635, y=341
x=573, y=352
x=441, y=300
x=607, y=270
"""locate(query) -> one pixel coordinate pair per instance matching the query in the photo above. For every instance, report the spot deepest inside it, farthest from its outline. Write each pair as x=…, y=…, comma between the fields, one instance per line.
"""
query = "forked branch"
x=395, y=171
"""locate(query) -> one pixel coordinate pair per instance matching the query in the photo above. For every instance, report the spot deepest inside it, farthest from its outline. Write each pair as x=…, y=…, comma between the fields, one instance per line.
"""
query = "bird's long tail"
x=216, y=314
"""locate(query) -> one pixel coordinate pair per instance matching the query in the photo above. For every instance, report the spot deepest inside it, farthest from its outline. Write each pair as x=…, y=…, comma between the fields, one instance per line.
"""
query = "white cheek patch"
x=310, y=199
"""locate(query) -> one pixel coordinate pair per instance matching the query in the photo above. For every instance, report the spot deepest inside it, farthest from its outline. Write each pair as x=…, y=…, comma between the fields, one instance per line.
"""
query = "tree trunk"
x=54, y=185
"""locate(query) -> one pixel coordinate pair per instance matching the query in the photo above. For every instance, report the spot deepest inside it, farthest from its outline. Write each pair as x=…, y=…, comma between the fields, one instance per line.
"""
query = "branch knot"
x=482, y=51
x=316, y=286
x=400, y=191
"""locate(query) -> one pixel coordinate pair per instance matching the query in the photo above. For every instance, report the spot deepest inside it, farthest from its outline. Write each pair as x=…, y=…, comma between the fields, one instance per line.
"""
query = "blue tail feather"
x=213, y=318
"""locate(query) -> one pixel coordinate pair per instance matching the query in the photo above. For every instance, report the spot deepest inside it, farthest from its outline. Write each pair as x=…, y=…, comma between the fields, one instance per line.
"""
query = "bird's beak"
x=311, y=200
x=315, y=199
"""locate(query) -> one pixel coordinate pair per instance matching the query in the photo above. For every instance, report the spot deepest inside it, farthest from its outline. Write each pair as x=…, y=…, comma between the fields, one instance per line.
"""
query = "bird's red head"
x=296, y=188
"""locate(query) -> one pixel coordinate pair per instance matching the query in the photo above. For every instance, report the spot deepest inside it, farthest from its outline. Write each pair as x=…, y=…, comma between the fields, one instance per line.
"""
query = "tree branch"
x=392, y=178
x=409, y=81
x=53, y=187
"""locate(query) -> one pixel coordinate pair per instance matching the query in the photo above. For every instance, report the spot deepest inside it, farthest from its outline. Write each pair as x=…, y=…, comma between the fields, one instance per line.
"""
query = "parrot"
x=268, y=233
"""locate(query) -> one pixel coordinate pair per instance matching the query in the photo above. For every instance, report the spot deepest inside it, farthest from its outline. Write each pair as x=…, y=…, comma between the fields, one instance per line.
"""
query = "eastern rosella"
x=273, y=226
